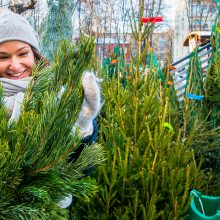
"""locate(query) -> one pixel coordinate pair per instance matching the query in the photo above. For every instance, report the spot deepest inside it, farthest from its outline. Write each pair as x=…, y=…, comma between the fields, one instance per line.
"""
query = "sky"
x=169, y=17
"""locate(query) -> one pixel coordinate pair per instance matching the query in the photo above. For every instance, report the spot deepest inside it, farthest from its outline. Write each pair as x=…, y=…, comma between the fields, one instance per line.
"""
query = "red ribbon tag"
x=152, y=19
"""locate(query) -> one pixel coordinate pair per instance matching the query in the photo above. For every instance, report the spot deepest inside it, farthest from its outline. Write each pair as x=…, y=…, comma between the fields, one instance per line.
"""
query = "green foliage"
x=35, y=174
x=193, y=108
x=213, y=89
x=158, y=151
x=150, y=168
x=194, y=76
x=212, y=82
x=212, y=86
x=114, y=65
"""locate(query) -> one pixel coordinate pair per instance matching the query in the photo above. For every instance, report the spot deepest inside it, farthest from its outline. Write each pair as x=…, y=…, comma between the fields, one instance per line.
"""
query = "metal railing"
x=179, y=74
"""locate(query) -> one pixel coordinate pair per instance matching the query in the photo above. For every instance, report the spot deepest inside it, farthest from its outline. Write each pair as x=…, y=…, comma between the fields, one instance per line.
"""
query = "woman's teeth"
x=16, y=74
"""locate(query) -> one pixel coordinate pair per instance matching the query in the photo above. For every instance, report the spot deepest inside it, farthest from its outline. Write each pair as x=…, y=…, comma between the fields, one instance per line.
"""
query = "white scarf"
x=12, y=87
x=14, y=94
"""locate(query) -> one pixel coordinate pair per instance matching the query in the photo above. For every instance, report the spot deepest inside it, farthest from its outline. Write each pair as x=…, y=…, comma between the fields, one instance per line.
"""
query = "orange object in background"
x=113, y=61
x=172, y=68
x=169, y=82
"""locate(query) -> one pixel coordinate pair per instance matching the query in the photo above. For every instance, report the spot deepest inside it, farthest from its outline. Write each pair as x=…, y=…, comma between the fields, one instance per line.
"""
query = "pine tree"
x=35, y=173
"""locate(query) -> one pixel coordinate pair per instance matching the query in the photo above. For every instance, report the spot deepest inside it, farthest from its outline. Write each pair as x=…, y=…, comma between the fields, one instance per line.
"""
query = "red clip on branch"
x=152, y=19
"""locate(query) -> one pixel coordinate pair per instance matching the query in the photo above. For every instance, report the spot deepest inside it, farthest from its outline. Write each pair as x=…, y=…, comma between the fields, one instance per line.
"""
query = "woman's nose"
x=14, y=64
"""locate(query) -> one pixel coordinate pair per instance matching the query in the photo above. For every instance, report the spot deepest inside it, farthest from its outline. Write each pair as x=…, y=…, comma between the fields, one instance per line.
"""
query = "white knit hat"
x=15, y=27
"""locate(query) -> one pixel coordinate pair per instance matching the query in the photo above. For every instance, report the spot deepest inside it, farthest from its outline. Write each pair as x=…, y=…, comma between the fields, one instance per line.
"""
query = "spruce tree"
x=56, y=26
x=193, y=103
x=152, y=163
x=150, y=169
x=212, y=86
x=35, y=173
x=212, y=82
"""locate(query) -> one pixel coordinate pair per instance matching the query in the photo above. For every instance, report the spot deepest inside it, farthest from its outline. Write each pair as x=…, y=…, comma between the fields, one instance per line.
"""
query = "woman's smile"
x=16, y=74
x=16, y=60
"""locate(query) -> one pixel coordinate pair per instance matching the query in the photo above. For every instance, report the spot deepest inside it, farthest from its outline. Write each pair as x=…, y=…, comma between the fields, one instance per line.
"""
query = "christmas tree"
x=35, y=172
x=212, y=86
x=150, y=168
x=155, y=154
x=56, y=26
x=213, y=81
x=153, y=161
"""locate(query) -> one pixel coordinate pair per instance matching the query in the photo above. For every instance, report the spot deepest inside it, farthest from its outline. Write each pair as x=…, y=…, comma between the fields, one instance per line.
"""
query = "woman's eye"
x=23, y=54
x=3, y=57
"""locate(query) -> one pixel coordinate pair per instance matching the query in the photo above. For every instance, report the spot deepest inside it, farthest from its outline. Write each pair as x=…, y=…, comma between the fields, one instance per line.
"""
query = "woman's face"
x=16, y=60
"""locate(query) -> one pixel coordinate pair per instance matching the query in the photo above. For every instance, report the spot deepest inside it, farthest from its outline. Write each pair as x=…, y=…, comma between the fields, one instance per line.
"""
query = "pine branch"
x=55, y=163
x=35, y=173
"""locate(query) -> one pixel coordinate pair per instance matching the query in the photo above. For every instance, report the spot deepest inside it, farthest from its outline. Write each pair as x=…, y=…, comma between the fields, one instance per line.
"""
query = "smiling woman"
x=19, y=54
x=16, y=60
x=19, y=46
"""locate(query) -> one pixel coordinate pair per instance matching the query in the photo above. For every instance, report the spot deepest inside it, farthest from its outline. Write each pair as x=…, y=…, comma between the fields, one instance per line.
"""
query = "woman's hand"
x=91, y=103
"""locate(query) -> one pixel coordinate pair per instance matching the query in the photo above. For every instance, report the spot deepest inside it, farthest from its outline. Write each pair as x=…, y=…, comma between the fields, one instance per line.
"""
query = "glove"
x=91, y=104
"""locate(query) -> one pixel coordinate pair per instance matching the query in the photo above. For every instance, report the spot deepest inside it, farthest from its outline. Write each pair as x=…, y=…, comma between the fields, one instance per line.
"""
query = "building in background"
x=162, y=43
x=192, y=16
x=181, y=29
x=105, y=45
x=201, y=14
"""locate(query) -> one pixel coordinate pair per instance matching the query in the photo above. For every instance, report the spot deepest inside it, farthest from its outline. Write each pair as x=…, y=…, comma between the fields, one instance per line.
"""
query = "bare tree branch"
x=19, y=7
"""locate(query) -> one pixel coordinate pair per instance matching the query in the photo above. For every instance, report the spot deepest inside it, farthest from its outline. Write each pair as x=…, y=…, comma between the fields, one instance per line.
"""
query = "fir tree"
x=212, y=86
x=193, y=104
x=150, y=170
x=57, y=26
x=194, y=84
x=153, y=160
x=213, y=76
